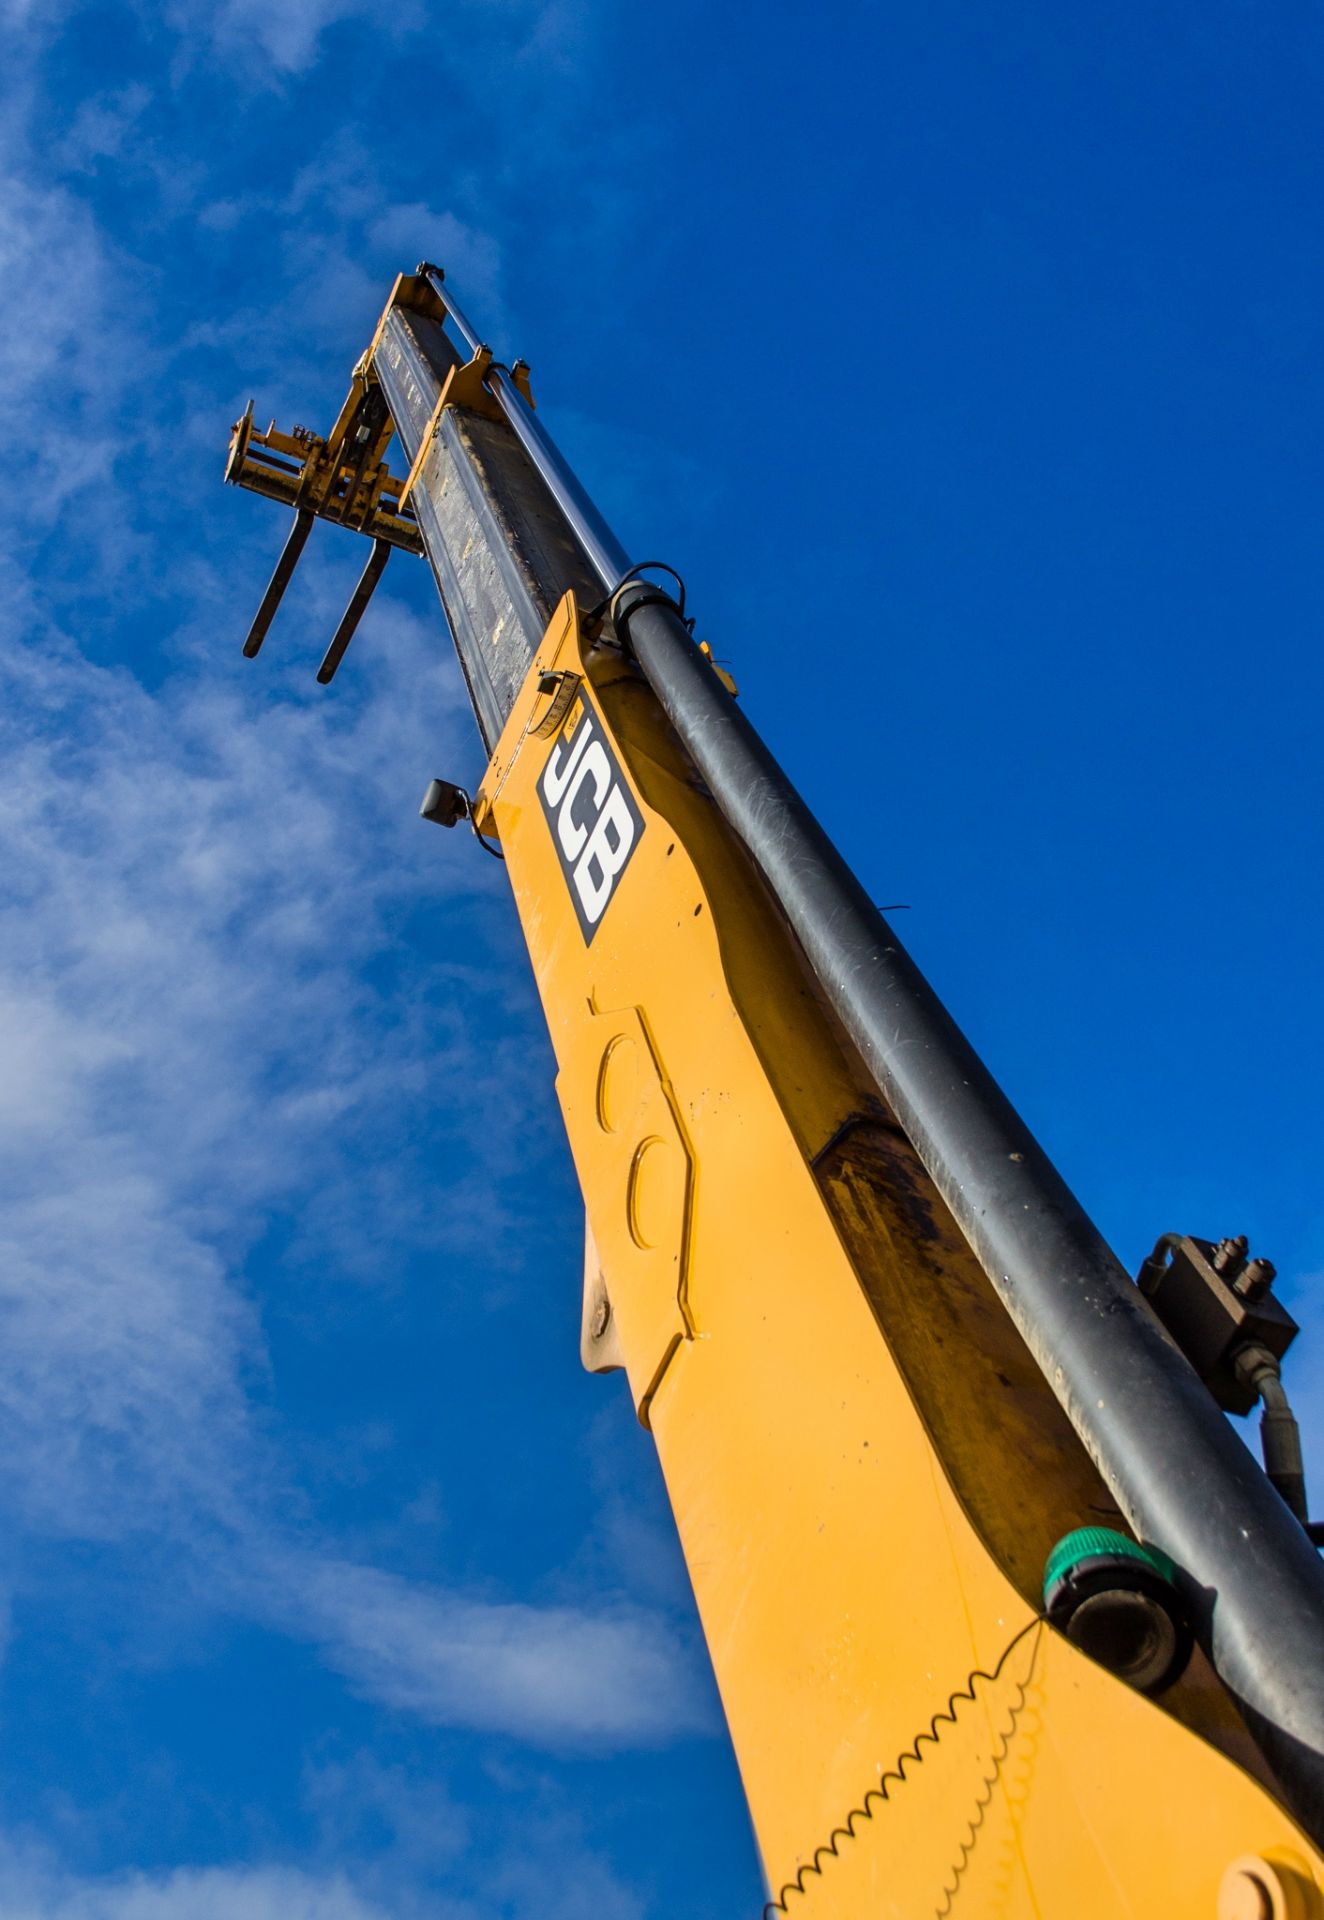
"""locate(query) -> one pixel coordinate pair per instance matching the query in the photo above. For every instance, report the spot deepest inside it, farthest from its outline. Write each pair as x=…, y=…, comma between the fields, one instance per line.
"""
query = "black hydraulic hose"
x=1179, y=1472
x=1280, y=1437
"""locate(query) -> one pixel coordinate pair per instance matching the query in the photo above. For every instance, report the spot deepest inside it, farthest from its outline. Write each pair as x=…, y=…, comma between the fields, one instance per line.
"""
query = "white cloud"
x=196, y=877
x=365, y=1808
x=102, y=125
x=523, y=1867
x=54, y=348
x=470, y=259
x=21, y=16
x=182, y=871
x=268, y=40
x=564, y=1675
x=34, y=1887
x=271, y=39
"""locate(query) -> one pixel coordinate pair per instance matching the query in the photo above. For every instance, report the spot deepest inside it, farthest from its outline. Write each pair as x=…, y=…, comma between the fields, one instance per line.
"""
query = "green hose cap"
x=1090, y=1543
x=1119, y=1603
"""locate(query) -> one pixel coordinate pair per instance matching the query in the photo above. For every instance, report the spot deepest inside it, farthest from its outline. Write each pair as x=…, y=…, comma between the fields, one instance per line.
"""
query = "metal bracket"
x=1214, y=1301
x=519, y=374
x=1218, y=1305
x=342, y=478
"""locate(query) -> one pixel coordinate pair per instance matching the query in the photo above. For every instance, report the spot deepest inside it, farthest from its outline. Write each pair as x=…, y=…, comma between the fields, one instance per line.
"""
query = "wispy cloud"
x=193, y=888
x=564, y=1675
x=50, y=344
x=198, y=883
x=102, y=127
x=404, y=1865
x=235, y=971
x=283, y=35
x=267, y=41
x=471, y=258
x=35, y=1887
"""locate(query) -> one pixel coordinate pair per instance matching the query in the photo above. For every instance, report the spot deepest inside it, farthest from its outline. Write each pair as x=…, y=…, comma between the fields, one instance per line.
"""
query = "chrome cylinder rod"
x=606, y=555
x=604, y=551
x=437, y=281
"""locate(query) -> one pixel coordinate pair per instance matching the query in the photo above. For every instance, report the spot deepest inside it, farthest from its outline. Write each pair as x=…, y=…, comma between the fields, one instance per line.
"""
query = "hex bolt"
x=1255, y=1280
x=1230, y=1256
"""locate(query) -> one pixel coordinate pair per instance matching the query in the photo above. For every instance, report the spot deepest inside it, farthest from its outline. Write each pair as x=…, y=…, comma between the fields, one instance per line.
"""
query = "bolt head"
x=1276, y=1886
x=1244, y=1896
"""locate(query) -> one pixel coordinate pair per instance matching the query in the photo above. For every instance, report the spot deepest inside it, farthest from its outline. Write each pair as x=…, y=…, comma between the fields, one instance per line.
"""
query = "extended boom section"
x=1001, y=1610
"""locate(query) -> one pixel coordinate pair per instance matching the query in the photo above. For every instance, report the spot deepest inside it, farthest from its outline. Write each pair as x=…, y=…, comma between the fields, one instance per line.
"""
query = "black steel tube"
x=280, y=579
x=1179, y=1472
x=354, y=612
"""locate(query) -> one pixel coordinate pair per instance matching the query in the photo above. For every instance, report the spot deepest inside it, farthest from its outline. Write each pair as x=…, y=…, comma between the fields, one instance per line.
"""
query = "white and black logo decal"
x=595, y=822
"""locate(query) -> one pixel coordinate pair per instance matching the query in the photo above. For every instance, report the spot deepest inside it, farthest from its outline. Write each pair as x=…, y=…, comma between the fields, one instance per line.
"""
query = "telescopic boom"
x=998, y=1603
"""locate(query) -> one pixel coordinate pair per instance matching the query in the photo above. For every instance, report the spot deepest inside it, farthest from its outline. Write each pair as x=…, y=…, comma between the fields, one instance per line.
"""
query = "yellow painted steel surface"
x=865, y=1468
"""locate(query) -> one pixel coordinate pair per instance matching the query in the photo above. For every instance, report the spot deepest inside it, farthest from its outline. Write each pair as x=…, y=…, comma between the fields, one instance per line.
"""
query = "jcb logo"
x=592, y=813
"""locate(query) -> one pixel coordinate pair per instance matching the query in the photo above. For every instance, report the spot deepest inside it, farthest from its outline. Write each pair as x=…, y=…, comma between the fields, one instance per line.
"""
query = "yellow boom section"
x=867, y=1470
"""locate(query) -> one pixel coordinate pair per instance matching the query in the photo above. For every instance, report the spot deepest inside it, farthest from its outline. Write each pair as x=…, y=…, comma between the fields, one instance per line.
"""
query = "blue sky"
x=968, y=362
